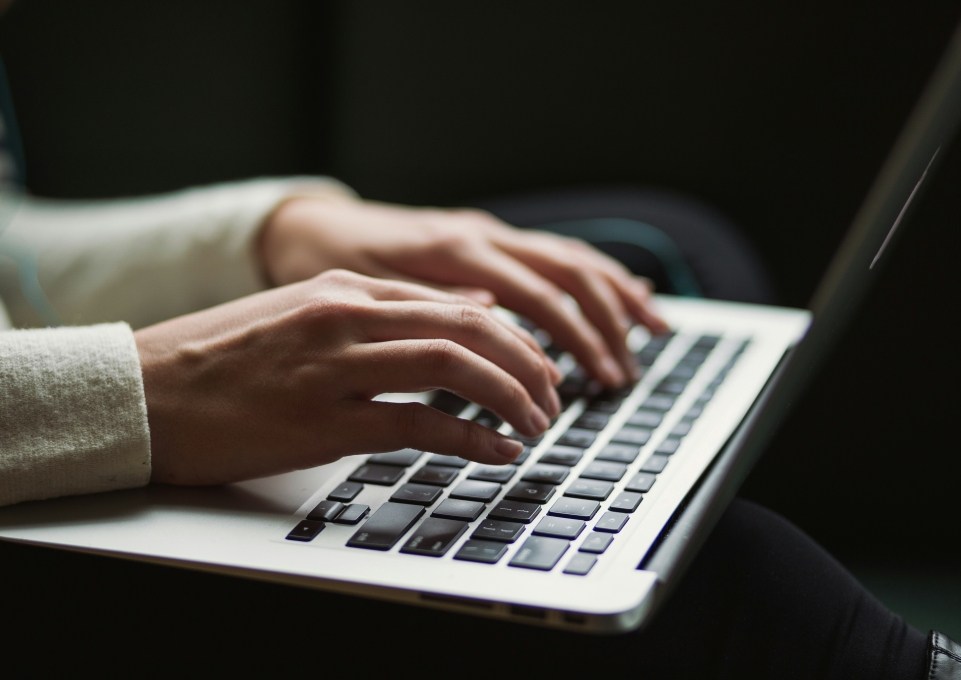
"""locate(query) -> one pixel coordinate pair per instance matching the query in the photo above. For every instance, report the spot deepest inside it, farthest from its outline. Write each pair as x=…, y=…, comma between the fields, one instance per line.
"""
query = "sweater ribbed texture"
x=72, y=413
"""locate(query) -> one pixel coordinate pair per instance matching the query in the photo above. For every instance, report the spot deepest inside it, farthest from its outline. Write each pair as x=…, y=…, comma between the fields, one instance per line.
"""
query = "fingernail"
x=612, y=370
x=509, y=448
x=539, y=420
x=554, y=370
x=555, y=402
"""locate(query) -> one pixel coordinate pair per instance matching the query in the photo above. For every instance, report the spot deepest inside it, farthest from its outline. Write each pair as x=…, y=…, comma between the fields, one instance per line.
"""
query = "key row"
x=565, y=520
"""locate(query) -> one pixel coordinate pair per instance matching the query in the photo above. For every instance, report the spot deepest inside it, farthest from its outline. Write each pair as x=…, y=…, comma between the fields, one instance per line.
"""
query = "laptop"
x=594, y=524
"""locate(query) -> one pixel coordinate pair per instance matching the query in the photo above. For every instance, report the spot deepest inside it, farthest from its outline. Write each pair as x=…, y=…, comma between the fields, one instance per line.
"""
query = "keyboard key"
x=466, y=511
x=650, y=419
x=659, y=342
x=476, y=491
x=562, y=455
x=705, y=397
x=572, y=387
x=524, y=455
x=696, y=356
x=668, y=446
x=619, y=453
x=641, y=482
x=670, y=386
x=386, y=526
x=606, y=404
x=580, y=564
x=596, y=543
x=683, y=371
x=434, y=537
x=579, y=438
x=488, y=552
x=515, y=511
x=449, y=403
x=498, y=530
x=531, y=493
x=655, y=464
x=546, y=474
x=418, y=494
x=527, y=441
x=611, y=522
x=592, y=421
x=574, y=508
x=627, y=501
x=384, y=475
x=647, y=359
x=559, y=527
x=604, y=470
x=707, y=341
x=346, y=492
x=638, y=436
x=306, y=531
x=402, y=458
x=540, y=552
x=447, y=461
x=488, y=419
x=352, y=514
x=589, y=488
x=694, y=413
x=326, y=511
x=682, y=429
x=493, y=473
x=435, y=475
x=658, y=402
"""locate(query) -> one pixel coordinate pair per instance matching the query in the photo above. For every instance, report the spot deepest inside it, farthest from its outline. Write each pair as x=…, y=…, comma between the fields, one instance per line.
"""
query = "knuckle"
x=547, y=296
x=516, y=394
x=411, y=420
x=330, y=311
x=471, y=319
x=338, y=277
x=473, y=436
x=451, y=242
x=441, y=355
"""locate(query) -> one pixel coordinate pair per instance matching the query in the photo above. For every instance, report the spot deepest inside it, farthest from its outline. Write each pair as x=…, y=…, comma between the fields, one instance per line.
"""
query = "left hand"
x=473, y=253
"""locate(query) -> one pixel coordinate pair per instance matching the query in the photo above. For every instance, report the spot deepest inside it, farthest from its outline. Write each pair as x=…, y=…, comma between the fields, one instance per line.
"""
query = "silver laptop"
x=596, y=521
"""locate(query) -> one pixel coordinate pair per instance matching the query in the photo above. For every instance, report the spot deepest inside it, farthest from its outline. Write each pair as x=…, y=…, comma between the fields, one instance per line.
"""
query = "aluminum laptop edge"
x=752, y=362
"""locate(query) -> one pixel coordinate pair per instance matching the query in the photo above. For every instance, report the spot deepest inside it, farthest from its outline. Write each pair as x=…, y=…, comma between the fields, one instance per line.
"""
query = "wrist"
x=285, y=246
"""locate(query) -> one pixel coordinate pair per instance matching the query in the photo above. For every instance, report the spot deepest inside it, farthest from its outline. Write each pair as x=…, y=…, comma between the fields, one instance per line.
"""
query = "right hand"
x=284, y=379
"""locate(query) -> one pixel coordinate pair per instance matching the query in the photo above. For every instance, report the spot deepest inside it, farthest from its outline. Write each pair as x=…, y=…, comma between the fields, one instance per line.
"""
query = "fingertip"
x=552, y=368
x=507, y=448
x=611, y=372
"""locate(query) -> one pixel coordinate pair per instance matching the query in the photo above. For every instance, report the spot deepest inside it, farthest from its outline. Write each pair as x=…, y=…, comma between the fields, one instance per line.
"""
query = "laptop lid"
x=903, y=176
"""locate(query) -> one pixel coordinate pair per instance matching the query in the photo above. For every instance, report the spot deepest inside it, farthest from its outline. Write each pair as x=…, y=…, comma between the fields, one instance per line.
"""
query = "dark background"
x=779, y=114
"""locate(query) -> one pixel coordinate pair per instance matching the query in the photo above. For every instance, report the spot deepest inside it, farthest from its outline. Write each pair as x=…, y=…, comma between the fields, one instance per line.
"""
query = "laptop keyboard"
x=539, y=502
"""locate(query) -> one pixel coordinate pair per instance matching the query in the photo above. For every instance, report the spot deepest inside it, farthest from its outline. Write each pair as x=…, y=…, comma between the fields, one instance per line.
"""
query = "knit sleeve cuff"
x=73, y=418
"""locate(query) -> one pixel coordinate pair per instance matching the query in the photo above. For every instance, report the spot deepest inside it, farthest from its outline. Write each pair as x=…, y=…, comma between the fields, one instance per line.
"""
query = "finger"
x=387, y=427
x=636, y=294
x=478, y=331
x=527, y=292
x=481, y=295
x=390, y=290
x=598, y=300
x=422, y=365
x=635, y=291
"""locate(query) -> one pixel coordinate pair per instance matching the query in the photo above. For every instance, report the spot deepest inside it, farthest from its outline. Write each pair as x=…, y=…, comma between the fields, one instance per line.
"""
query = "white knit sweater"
x=73, y=417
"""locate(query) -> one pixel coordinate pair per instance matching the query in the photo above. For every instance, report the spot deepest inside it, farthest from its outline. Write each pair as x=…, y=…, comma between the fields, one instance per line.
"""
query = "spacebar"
x=386, y=526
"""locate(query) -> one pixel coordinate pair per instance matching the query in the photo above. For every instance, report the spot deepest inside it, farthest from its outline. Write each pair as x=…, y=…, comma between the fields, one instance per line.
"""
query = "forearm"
x=149, y=259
